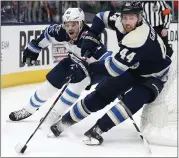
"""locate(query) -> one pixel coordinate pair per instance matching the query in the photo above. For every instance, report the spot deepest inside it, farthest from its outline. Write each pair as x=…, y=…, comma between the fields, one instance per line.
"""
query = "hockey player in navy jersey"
x=72, y=31
x=138, y=72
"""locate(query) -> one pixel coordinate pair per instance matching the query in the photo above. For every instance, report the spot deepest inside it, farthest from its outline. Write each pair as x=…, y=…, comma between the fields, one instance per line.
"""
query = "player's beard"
x=129, y=28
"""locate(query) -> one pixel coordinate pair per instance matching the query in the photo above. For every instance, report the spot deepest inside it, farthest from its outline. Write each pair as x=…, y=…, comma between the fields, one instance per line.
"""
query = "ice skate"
x=93, y=136
x=53, y=117
x=58, y=127
x=19, y=115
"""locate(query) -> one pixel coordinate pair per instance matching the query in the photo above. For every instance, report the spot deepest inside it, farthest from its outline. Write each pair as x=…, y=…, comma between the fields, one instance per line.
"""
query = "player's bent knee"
x=58, y=75
x=155, y=85
x=137, y=97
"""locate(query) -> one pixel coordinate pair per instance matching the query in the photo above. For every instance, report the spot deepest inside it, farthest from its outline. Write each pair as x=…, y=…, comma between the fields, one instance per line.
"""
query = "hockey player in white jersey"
x=72, y=31
x=138, y=72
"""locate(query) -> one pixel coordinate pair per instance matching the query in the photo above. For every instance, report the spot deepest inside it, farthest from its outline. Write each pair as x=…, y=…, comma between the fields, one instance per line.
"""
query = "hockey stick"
x=81, y=59
x=137, y=128
x=21, y=148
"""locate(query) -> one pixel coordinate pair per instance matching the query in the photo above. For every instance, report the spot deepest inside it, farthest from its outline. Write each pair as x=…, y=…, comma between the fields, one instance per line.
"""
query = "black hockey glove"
x=79, y=70
x=29, y=57
x=89, y=45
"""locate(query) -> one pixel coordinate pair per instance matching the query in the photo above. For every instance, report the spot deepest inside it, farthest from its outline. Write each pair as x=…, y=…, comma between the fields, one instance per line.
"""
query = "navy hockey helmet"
x=133, y=7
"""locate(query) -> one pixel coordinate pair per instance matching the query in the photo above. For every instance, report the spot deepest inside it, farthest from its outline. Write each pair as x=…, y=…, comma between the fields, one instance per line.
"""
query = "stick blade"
x=23, y=149
x=20, y=148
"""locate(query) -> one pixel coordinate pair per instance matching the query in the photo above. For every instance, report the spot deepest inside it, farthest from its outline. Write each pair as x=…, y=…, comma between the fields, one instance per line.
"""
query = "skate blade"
x=51, y=135
x=90, y=141
x=22, y=121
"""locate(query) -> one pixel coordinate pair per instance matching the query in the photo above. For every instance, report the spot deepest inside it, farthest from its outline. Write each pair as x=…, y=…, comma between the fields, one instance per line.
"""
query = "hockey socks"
x=45, y=91
x=41, y=95
x=134, y=100
x=113, y=117
x=77, y=113
x=67, y=99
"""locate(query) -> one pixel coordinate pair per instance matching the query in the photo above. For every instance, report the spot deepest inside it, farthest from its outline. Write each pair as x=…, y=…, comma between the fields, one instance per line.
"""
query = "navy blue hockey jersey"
x=141, y=49
x=56, y=33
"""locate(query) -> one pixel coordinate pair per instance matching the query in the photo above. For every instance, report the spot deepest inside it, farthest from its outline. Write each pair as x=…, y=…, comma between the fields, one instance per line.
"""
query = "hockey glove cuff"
x=31, y=53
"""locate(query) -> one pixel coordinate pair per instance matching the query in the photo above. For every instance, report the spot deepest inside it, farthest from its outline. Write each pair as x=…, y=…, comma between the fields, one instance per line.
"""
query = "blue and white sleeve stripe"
x=32, y=48
x=46, y=40
x=104, y=56
x=46, y=34
x=113, y=67
x=104, y=17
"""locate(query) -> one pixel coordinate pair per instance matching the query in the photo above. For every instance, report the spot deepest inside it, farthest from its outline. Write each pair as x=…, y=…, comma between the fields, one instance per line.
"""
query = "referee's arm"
x=166, y=13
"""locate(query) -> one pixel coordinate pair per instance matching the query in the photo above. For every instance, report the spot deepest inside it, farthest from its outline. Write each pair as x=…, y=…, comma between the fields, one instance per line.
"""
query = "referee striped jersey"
x=157, y=13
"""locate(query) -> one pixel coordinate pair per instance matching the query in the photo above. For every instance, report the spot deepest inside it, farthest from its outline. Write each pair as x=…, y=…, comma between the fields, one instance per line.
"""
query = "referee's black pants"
x=158, y=29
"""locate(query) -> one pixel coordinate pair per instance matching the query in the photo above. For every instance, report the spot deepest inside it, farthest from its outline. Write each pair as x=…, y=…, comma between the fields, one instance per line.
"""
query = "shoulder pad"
x=137, y=37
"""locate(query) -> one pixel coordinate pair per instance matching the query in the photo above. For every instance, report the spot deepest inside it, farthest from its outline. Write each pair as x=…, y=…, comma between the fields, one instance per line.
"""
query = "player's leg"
x=68, y=98
x=134, y=99
x=56, y=78
x=97, y=100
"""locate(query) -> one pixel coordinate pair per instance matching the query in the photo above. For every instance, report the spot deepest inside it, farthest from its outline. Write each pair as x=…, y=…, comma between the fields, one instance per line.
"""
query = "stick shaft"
x=64, y=88
x=136, y=127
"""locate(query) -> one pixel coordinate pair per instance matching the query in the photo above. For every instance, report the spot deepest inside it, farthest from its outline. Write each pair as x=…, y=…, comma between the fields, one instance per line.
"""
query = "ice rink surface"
x=121, y=141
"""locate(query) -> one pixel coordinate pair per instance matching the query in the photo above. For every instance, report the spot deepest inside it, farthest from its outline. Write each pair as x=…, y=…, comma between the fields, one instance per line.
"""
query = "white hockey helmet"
x=74, y=14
